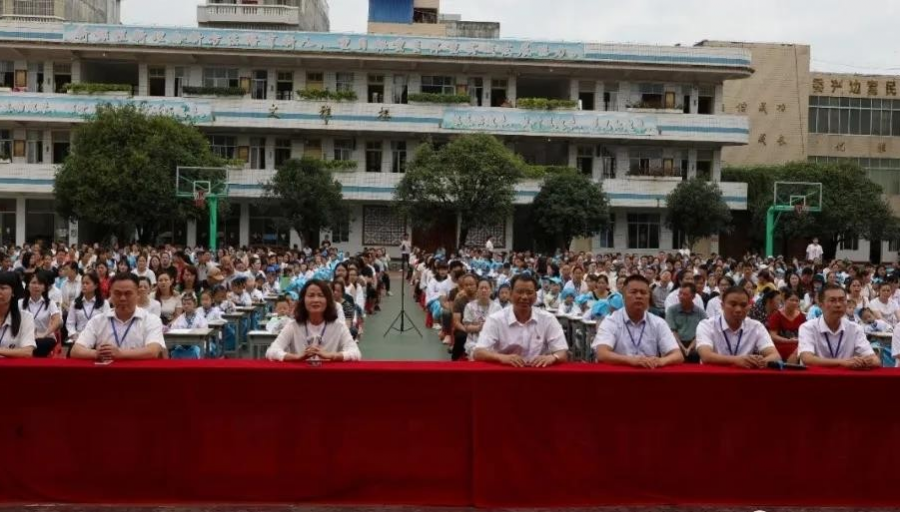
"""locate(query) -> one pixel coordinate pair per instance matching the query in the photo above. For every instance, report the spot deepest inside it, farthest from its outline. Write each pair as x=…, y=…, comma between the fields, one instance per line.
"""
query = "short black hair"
x=125, y=276
x=828, y=287
x=525, y=276
x=635, y=277
x=691, y=286
x=733, y=290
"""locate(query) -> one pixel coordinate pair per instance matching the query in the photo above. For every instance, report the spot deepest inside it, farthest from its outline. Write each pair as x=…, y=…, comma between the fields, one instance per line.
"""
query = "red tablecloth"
x=444, y=434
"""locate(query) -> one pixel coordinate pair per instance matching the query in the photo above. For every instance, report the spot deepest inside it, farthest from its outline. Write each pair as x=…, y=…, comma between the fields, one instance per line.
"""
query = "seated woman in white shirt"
x=884, y=306
x=169, y=300
x=144, y=300
x=16, y=326
x=85, y=306
x=316, y=330
x=143, y=271
x=47, y=318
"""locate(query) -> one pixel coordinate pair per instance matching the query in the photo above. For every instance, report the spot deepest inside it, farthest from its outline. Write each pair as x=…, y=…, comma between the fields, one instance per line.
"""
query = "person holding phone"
x=126, y=332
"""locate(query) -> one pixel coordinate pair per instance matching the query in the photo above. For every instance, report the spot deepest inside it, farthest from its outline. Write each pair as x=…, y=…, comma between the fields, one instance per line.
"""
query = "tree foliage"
x=697, y=209
x=569, y=205
x=120, y=174
x=472, y=178
x=308, y=197
x=852, y=204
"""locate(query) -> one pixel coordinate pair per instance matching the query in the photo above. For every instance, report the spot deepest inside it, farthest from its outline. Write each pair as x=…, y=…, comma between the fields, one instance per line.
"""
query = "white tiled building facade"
x=648, y=117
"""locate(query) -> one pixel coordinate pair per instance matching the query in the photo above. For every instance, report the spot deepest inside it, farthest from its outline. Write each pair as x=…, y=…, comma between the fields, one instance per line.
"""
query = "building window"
x=679, y=240
x=284, y=88
x=156, y=81
x=35, y=146
x=498, y=92
x=373, y=156
x=259, y=85
x=585, y=160
x=7, y=221
x=854, y=116
x=282, y=152
x=643, y=231
x=849, y=242
x=398, y=156
x=652, y=95
x=7, y=73
x=257, y=152
x=315, y=81
x=608, y=234
x=894, y=245
x=223, y=146
x=180, y=80
x=608, y=160
x=60, y=146
x=401, y=89
x=220, y=77
x=375, y=92
x=645, y=162
x=340, y=233
x=343, y=150
x=344, y=82
x=6, y=145
x=438, y=85
x=62, y=76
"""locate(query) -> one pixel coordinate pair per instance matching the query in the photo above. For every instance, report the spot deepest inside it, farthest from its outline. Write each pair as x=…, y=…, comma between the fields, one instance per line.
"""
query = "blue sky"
x=845, y=36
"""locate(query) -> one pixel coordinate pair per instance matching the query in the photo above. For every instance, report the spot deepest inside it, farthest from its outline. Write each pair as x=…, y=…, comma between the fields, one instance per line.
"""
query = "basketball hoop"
x=199, y=198
x=800, y=209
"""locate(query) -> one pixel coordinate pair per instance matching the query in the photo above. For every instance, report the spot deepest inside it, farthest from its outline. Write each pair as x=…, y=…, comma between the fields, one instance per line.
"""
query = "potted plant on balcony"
x=94, y=89
x=325, y=95
x=189, y=91
x=5, y=158
x=546, y=104
x=428, y=98
x=647, y=107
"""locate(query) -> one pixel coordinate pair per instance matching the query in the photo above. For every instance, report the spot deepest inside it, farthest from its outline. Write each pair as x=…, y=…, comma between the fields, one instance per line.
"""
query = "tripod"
x=403, y=317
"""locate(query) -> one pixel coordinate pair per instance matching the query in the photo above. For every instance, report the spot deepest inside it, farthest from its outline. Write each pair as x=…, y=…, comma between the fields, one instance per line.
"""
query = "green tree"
x=120, y=174
x=852, y=204
x=697, y=209
x=569, y=205
x=472, y=178
x=308, y=197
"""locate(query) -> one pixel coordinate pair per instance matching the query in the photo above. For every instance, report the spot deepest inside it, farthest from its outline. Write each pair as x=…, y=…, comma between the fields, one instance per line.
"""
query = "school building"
x=643, y=118
x=796, y=113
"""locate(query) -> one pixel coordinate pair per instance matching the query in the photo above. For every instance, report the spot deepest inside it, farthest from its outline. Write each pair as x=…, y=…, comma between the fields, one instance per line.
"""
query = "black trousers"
x=44, y=347
x=459, y=346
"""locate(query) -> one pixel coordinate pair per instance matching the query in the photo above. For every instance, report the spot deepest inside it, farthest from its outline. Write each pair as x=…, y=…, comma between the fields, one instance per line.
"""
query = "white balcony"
x=215, y=14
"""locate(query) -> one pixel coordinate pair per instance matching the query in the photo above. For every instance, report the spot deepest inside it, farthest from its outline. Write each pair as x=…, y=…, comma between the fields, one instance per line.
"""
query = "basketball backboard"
x=790, y=194
x=204, y=181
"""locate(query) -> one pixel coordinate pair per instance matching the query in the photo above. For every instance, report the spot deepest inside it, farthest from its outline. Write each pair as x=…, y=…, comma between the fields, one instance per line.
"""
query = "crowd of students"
x=57, y=300
x=748, y=312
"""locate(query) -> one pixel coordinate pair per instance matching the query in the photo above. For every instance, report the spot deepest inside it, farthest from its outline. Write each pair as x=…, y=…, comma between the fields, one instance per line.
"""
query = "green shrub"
x=326, y=95
x=427, y=97
x=544, y=104
x=90, y=88
x=213, y=91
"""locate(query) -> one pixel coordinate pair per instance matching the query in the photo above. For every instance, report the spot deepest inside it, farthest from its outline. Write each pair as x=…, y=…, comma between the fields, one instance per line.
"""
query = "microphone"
x=781, y=366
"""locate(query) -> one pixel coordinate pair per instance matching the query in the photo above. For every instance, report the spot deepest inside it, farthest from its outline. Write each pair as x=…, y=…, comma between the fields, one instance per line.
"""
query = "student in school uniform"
x=189, y=319
x=731, y=338
x=16, y=326
x=832, y=340
x=208, y=309
x=47, y=317
x=282, y=316
x=85, y=306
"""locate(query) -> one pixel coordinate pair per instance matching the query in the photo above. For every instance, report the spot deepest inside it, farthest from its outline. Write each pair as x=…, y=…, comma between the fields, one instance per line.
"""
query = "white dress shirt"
x=541, y=335
x=25, y=338
x=333, y=336
x=751, y=338
x=847, y=342
x=672, y=299
x=650, y=337
x=141, y=330
x=69, y=291
x=78, y=319
x=714, y=307
x=895, y=347
x=890, y=312
x=195, y=321
x=41, y=311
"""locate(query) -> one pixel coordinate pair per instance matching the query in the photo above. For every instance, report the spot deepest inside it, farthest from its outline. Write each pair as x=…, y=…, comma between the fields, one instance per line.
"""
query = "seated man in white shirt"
x=833, y=340
x=633, y=337
x=522, y=335
x=731, y=338
x=126, y=332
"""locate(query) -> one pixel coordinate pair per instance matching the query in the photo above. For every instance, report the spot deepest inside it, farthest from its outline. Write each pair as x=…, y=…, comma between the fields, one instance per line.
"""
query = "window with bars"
x=340, y=233
x=34, y=146
x=643, y=231
x=223, y=146
x=220, y=77
x=585, y=160
x=282, y=152
x=6, y=145
x=344, y=82
x=284, y=87
x=257, y=152
x=854, y=116
x=608, y=234
x=343, y=150
x=398, y=156
x=373, y=156
x=849, y=242
x=315, y=81
x=438, y=84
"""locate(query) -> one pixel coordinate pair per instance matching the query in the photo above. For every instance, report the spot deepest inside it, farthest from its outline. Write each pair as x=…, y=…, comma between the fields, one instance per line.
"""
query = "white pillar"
x=49, y=85
x=143, y=77
x=692, y=162
x=20, y=221
x=73, y=232
x=387, y=157
x=192, y=232
x=695, y=100
x=574, y=88
x=511, y=90
x=76, y=71
x=170, y=81
x=622, y=163
x=597, y=167
x=623, y=97
x=599, y=90
x=719, y=107
x=244, y=229
x=271, y=80
x=270, y=153
x=388, y=88
x=717, y=166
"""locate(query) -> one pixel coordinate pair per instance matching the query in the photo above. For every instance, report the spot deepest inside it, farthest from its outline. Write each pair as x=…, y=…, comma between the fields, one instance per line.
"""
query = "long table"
x=444, y=434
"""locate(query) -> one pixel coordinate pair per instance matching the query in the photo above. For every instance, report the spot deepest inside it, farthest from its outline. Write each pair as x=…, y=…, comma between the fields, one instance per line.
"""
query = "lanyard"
x=85, y=308
x=737, y=348
x=834, y=353
x=637, y=346
x=321, y=335
x=112, y=323
x=3, y=334
x=41, y=306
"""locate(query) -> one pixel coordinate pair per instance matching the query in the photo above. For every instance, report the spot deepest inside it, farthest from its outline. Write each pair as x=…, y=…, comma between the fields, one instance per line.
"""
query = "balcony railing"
x=228, y=13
